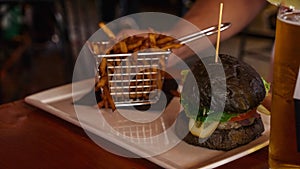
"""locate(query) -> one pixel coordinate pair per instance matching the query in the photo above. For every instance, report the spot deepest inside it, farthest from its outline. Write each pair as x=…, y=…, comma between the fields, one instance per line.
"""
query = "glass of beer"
x=284, y=147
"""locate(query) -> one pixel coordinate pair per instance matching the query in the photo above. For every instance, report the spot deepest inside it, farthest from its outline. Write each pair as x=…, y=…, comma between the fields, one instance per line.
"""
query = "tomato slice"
x=244, y=116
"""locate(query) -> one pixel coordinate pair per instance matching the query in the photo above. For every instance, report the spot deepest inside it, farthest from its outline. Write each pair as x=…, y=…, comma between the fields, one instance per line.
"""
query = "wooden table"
x=32, y=138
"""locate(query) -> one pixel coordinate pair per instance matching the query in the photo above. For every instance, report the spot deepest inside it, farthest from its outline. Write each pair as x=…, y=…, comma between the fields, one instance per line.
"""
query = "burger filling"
x=245, y=119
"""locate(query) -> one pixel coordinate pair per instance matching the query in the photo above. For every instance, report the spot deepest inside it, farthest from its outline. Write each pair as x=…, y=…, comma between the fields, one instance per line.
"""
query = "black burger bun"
x=244, y=87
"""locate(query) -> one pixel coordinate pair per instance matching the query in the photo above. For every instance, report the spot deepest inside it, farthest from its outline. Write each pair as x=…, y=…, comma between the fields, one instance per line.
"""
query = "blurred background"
x=41, y=39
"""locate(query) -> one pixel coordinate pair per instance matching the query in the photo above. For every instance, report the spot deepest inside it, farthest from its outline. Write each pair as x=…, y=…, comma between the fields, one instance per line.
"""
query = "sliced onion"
x=263, y=109
x=204, y=130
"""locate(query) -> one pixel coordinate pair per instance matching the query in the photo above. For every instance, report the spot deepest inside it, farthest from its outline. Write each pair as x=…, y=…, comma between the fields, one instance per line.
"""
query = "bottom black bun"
x=222, y=139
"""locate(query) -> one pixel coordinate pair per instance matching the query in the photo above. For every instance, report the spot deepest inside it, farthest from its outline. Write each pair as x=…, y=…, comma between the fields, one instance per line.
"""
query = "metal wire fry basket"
x=134, y=78
x=137, y=78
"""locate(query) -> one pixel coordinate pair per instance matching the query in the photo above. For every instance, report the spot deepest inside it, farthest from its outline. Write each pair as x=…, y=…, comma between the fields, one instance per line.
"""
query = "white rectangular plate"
x=104, y=123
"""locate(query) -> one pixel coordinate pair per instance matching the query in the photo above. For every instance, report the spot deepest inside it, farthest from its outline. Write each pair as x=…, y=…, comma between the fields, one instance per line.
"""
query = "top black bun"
x=244, y=86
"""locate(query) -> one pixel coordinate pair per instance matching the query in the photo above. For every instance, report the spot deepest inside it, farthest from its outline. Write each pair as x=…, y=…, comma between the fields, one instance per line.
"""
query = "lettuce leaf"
x=267, y=85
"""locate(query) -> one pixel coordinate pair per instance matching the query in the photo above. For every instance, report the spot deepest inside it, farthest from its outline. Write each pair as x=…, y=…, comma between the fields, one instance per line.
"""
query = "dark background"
x=40, y=39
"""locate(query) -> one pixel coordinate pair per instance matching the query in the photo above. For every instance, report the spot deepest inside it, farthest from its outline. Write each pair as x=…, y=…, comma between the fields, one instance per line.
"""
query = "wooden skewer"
x=219, y=32
x=109, y=33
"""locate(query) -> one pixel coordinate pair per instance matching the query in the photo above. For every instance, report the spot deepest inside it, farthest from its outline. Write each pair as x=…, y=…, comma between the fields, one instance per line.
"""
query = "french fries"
x=107, y=30
x=147, y=41
x=141, y=79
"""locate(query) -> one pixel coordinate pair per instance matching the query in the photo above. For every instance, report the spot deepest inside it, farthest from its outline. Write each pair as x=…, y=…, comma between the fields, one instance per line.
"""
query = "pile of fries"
x=141, y=42
x=144, y=79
